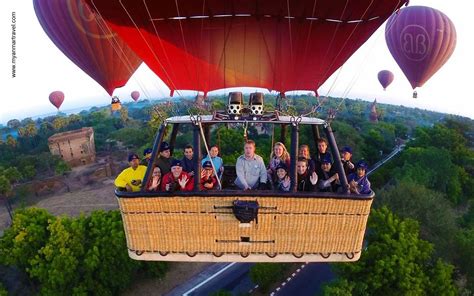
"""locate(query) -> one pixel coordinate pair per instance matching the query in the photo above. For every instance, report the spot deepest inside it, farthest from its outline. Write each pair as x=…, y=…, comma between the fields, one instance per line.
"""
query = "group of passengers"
x=314, y=174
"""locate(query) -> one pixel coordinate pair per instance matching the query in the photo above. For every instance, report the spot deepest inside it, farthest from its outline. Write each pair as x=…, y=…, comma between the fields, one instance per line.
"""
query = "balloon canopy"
x=85, y=40
x=385, y=78
x=280, y=45
x=421, y=40
x=56, y=98
x=135, y=95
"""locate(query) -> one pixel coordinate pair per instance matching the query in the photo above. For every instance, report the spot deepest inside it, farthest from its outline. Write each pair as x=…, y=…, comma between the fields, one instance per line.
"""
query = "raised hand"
x=182, y=182
x=286, y=182
x=313, y=178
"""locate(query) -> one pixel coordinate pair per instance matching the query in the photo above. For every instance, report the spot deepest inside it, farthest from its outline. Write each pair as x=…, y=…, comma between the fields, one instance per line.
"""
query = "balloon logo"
x=56, y=98
x=421, y=40
x=84, y=15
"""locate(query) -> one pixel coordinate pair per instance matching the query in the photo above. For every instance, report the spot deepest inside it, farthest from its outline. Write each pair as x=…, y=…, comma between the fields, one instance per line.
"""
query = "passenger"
x=346, y=159
x=155, y=180
x=130, y=179
x=321, y=154
x=358, y=182
x=208, y=179
x=177, y=180
x=164, y=160
x=146, y=156
x=251, y=171
x=328, y=179
x=278, y=155
x=188, y=160
x=306, y=181
x=216, y=160
x=304, y=152
x=283, y=181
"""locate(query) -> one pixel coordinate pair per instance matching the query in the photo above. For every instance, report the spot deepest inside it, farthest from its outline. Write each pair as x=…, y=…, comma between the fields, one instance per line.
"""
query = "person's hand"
x=336, y=176
x=167, y=187
x=136, y=182
x=155, y=183
x=350, y=164
x=286, y=182
x=128, y=187
x=269, y=171
x=182, y=182
x=202, y=174
x=208, y=185
x=313, y=178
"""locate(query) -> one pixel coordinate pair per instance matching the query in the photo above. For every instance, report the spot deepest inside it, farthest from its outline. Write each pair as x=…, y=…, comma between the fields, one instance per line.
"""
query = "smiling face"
x=207, y=172
x=281, y=173
x=188, y=153
x=134, y=163
x=326, y=166
x=346, y=156
x=304, y=152
x=360, y=172
x=156, y=172
x=166, y=153
x=214, y=151
x=176, y=171
x=301, y=167
x=278, y=151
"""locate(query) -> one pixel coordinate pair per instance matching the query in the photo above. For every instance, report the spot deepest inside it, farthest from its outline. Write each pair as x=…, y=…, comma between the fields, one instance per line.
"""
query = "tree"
x=12, y=174
x=465, y=252
x=396, y=262
x=5, y=186
x=14, y=123
x=61, y=168
x=265, y=274
x=11, y=141
x=60, y=123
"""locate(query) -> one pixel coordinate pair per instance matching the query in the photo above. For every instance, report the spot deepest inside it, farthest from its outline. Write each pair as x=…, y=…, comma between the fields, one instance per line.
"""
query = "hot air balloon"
x=84, y=38
x=204, y=45
x=385, y=78
x=421, y=40
x=56, y=98
x=135, y=95
x=208, y=45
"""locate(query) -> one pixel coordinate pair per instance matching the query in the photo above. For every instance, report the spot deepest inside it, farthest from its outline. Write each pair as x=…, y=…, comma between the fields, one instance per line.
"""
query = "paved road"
x=308, y=281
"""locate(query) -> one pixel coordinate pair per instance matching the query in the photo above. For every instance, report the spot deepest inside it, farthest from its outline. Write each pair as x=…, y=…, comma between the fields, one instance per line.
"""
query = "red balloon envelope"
x=385, y=78
x=135, y=95
x=56, y=98
x=421, y=39
x=274, y=44
x=84, y=38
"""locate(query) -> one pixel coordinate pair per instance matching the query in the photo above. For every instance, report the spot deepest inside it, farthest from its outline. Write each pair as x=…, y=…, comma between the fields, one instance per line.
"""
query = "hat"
x=147, y=151
x=164, y=146
x=347, y=149
x=281, y=165
x=362, y=164
x=207, y=165
x=176, y=162
x=326, y=159
x=132, y=156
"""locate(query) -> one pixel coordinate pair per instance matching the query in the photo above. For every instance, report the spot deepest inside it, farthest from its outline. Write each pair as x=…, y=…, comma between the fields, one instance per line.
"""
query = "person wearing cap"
x=164, y=160
x=176, y=179
x=130, y=179
x=306, y=181
x=346, y=159
x=321, y=154
x=216, y=160
x=146, y=156
x=282, y=180
x=208, y=179
x=250, y=169
x=303, y=151
x=188, y=160
x=328, y=179
x=358, y=182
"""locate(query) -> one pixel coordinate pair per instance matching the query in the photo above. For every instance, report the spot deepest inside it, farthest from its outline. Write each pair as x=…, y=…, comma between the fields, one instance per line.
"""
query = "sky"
x=42, y=68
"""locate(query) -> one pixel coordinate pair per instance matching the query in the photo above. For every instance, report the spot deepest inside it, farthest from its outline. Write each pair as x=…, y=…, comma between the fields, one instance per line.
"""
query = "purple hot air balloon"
x=421, y=39
x=385, y=78
x=56, y=98
x=86, y=40
x=135, y=95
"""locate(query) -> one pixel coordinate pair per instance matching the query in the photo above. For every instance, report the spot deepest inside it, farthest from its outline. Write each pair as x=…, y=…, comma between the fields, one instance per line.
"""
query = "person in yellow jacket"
x=131, y=178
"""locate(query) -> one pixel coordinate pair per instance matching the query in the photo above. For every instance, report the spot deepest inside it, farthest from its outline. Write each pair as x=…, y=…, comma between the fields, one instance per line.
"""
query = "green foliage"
x=221, y=293
x=396, y=262
x=5, y=186
x=265, y=274
x=435, y=214
x=76, y=256
x=61, y=168
x=465, y=252
x=3, y=291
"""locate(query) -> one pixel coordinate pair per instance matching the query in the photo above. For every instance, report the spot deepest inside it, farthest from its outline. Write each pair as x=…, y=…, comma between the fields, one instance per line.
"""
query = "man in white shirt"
x=251, y=171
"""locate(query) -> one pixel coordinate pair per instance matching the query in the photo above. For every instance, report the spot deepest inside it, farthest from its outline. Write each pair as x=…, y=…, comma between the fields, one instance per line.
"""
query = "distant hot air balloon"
x=421, y=39
x=85, y=39
x=135, y=95
x=385, y=78
x=56, y=98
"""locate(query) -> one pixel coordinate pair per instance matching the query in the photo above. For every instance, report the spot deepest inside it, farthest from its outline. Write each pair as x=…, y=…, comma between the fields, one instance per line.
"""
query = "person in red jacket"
x=208, y=179
x=177, y=179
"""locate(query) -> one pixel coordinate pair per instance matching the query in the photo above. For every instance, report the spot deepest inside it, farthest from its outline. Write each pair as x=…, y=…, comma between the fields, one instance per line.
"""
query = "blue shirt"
x=216, y=161
x=363, y=184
